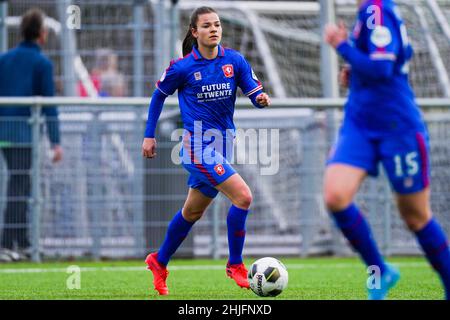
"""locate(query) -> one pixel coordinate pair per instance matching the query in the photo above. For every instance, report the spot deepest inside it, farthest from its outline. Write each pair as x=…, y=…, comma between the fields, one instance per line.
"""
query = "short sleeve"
x=383, y=41
x=170, y=80
x=247, y=79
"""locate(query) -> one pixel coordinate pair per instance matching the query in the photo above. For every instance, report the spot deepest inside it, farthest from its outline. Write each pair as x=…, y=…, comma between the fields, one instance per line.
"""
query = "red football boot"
x=160, y=273
x=238, y=273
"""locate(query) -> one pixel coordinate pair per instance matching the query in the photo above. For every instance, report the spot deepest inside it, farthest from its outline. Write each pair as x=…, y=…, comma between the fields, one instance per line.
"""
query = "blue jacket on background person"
x=26, y=72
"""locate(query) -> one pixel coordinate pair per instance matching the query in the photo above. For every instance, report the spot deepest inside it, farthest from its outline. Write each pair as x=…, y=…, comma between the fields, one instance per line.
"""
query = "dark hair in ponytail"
x=189, y=41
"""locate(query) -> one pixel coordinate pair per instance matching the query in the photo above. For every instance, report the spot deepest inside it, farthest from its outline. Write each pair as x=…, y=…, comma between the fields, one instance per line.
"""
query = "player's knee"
x=336, y=200
x=412, y=224
x=244, y=199
x=416, y=221
x=192, y=215
x=415, y=214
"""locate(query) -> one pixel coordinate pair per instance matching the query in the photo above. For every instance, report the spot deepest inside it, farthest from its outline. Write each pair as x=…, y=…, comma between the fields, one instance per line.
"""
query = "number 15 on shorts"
x=406, y=164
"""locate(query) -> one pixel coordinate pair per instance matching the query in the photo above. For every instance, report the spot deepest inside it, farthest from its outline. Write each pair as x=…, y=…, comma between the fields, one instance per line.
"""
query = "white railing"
x=312, y=103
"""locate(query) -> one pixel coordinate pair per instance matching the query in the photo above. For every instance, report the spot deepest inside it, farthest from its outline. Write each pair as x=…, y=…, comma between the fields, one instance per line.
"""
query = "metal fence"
x=105, y=200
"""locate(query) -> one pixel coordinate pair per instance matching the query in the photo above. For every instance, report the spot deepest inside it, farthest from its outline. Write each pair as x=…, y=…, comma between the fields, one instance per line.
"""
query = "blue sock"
x=434, y=243
x=236, y=233
x=355, y=228
x=176, y=233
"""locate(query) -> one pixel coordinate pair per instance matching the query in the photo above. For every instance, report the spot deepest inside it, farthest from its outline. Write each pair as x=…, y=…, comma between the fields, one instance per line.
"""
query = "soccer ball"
x=268, y=277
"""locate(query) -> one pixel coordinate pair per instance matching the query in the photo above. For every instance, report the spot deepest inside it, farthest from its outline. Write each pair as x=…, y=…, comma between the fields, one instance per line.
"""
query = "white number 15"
x=412, y=166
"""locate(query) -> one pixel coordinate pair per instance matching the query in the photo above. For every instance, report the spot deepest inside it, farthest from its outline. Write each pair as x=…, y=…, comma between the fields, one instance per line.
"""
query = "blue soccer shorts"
x=404, y=156
x=207, y=163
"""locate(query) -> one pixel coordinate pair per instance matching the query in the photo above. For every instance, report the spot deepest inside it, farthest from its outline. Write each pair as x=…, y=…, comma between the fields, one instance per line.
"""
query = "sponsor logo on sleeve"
x=163, y=76
x=254, y=76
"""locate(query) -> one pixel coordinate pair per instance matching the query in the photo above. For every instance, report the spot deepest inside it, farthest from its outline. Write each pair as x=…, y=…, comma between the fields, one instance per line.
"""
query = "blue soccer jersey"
x=207, y=88
x=207, y=95
x=382, y=122
x=381, y=99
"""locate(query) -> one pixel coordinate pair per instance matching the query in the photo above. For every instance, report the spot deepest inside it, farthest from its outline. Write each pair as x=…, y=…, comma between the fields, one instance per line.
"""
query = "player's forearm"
x=360, y=62
x=154, y=111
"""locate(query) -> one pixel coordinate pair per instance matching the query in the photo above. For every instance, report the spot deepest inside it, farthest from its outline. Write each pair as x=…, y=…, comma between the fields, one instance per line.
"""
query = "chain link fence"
x=105, y=200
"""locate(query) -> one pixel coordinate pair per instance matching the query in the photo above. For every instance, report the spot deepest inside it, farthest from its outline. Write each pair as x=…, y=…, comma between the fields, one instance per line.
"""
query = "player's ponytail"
x=189, y=40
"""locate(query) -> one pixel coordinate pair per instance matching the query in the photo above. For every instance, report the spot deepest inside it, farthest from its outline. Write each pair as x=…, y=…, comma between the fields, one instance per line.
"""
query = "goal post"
x=329, y=62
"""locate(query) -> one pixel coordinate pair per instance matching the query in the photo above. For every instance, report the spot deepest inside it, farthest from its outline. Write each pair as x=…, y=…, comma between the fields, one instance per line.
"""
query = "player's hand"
x=334, y=35
x=344, y=76
x=263, y=99
x=149, y=148
x=57, y=153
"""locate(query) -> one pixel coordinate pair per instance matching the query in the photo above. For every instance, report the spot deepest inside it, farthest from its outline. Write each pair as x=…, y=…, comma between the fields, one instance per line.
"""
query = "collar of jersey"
x=198, y=56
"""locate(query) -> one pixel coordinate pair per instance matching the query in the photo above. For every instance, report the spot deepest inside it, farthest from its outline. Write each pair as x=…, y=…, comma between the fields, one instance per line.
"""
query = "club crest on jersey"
x=219, y=169
x=228, y=70
x=198, y=76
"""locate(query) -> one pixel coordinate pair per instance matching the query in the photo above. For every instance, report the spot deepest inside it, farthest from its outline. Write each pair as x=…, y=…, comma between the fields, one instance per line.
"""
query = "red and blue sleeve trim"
x=259, y=87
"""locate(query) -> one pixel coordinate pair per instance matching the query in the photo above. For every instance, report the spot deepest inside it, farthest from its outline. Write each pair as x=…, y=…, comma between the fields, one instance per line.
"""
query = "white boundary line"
x=202, y=267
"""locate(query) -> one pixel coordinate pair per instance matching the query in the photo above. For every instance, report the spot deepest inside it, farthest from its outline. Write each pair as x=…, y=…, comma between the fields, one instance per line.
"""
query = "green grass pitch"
x=311, y=278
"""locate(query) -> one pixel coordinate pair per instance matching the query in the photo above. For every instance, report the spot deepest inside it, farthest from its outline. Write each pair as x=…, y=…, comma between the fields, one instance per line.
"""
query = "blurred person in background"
x=24, y=72
x=382, y=124
x=105, y=76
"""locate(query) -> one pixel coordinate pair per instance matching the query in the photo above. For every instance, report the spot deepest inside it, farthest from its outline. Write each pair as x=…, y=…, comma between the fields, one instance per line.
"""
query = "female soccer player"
x=207, y=79
x=382, y=123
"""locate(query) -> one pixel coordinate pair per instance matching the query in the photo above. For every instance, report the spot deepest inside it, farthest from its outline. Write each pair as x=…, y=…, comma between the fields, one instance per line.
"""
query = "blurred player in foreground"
x=382, y=123
x=207, y=79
